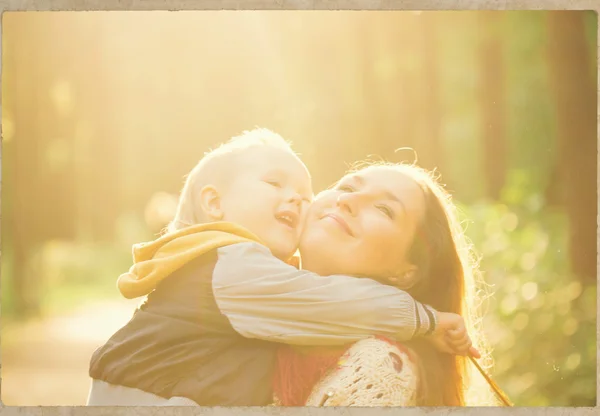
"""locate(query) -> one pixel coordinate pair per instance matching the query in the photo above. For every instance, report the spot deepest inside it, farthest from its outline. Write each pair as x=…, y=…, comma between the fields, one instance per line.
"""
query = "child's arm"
x=265, y=298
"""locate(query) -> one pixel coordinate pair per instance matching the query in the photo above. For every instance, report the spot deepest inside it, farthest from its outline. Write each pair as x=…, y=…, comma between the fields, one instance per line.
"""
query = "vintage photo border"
x=174, y=5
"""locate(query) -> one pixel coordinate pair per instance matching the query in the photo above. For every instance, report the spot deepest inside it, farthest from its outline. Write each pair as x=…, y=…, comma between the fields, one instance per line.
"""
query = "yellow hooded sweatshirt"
x=153, y=261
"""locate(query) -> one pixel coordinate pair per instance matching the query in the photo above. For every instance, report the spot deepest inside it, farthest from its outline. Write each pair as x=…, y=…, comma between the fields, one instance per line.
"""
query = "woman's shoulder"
x=373, y=372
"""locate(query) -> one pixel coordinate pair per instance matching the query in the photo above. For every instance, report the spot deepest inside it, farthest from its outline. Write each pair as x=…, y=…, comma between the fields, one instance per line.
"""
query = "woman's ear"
x=406, y=279
x=210, y=203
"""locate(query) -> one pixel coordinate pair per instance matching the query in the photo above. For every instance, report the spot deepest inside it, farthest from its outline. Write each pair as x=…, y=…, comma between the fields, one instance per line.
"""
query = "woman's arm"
x=266, y=298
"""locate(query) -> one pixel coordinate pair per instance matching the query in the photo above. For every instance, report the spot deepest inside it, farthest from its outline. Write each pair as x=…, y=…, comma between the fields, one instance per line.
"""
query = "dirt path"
x=46, y=362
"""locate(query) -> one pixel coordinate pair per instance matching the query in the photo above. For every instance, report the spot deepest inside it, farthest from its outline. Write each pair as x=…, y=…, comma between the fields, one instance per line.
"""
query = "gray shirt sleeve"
x=268, y=299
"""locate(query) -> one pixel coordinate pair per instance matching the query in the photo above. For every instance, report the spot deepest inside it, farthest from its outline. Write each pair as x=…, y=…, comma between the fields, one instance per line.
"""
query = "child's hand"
x=450, y=335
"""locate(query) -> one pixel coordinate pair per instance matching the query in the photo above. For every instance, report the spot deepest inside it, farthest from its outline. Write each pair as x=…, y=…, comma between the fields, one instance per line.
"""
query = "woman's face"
x=364, y=225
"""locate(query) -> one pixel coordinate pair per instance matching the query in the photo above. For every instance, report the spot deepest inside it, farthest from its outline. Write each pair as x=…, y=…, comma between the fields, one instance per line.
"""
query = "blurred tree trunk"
x=42, y=168
x=575, y=92
x=23, y=151
x=100, y=104
x=430, y=108
x=376, y=88
x=399, y=90
x=57, y=123
x=493, y=103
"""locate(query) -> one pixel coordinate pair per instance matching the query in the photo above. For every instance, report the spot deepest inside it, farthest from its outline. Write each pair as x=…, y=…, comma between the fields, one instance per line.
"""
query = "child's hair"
x=216, y=167
x=450, y=282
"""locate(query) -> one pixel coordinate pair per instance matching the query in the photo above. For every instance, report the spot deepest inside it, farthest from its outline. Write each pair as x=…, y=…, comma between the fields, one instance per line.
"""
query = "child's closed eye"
x=274, y=183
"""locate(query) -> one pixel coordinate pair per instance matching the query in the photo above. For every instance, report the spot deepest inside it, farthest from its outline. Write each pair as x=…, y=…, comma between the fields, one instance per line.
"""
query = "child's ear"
x=210, y=203
x=406, y=279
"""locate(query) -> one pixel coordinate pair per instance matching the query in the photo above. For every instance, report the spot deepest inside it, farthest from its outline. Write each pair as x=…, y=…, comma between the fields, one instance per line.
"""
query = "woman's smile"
x=341, y=222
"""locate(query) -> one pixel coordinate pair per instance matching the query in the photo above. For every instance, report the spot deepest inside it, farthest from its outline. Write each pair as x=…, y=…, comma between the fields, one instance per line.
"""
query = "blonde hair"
x=450, y=281
x=215, y=167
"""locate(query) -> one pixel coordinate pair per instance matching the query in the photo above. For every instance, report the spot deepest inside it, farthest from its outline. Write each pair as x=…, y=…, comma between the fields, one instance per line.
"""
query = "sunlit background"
x=103, y=114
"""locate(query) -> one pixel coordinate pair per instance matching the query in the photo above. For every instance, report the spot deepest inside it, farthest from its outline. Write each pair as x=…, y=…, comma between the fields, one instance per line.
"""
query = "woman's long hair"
x=448, y=281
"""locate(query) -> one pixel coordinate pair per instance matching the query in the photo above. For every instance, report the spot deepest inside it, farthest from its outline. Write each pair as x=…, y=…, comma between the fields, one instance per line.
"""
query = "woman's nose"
x=348, y=202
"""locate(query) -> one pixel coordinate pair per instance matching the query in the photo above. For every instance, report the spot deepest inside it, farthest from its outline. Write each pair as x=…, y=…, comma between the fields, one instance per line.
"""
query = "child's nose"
x=295, y=198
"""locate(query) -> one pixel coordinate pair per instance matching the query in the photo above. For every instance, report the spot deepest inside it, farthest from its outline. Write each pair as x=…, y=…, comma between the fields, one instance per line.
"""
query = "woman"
x=396, y=224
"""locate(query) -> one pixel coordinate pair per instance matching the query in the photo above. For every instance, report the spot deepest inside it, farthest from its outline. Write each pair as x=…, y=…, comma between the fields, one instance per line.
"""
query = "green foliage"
x=529, y=91
x=64, y=274
x=460, y=132
x=539, y=319
x=68, y=274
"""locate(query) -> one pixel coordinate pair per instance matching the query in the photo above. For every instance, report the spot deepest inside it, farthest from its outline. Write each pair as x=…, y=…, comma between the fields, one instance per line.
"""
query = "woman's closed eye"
x=345, y=188
x=386, y=210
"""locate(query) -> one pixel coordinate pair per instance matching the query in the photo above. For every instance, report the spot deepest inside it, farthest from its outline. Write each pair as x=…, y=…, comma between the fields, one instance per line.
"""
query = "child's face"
x=269, y=195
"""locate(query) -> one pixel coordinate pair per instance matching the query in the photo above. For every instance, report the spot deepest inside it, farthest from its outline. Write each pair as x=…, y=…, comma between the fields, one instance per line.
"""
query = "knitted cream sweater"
x=371, y=373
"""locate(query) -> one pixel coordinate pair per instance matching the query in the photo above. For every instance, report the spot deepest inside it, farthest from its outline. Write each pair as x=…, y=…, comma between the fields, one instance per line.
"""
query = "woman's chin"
x=321, y=250
x=313, y=241
x=315, y=260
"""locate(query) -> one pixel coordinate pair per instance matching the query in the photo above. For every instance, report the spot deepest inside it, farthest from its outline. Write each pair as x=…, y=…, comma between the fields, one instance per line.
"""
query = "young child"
x=220, y=295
